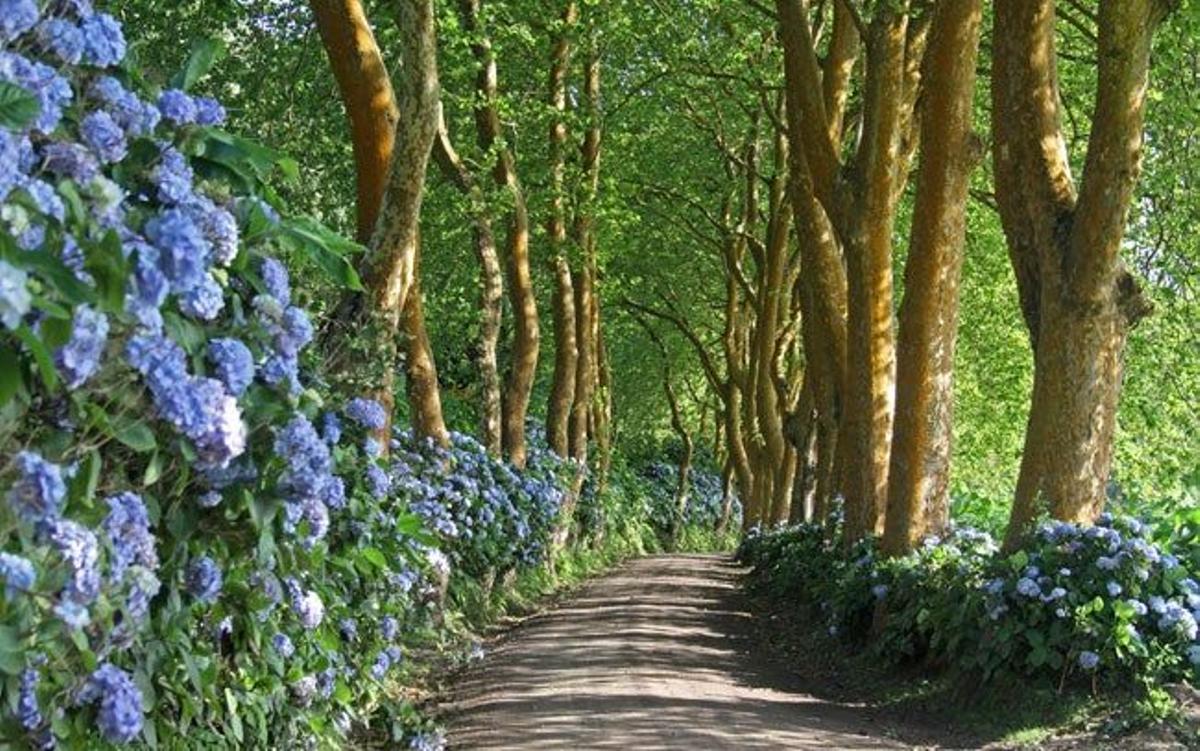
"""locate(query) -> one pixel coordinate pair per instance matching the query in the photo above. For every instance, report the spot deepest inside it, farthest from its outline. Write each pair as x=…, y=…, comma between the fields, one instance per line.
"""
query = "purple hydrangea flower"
x=308, y=606
x=378, y=482
x=275, y=279
x=17, y=573
x=367, y=412
x=348, y=629
x=63, y=38
x=203, y=579
x=173, y=177
x=37, y=495
x=11, y=172
x=103, y=40
x=380, y=668
x=233, y=362
x=80, y=356
x=306, y=456
x=177, y=107
x=1088, y=660
x=46, y=199
x=120, y=717
x=283, y=645
x=15, y=299
x=333, y=493
x=78, y=548
x=127, y=528
x=184, y=250
x=209, y=111
x=282, y=371
x=389, y=628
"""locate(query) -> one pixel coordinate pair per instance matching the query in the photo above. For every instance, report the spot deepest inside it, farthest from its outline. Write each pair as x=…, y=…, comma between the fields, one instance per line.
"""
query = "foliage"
x=1075, y=603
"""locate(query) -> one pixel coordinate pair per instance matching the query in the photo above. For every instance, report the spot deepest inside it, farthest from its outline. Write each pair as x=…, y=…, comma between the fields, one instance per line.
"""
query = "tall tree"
x=390, y=264
x=1078, y=299
x=919, y=478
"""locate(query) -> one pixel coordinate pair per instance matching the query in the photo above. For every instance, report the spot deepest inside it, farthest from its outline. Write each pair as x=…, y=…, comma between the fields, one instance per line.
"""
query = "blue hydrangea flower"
x=389, y=628
x=1088, y=660
x=331, y=428
x=283, y=645
x=127, y=528
x=203, y=579
x=37, y=496
x=17, y=574
x=1028, y=587
x=177, y=107
x=15, y=299
x=46, y=199
x=275, y=279
x=136, y=117
x=77, y=546
x=380, y=668
x=103, y=39
x=367, y=412
x=205, y=301
x=173, y=177
x=53, y=91
x=120, y=716
x=221, y=229
x=184, y=250
x=233, y=362
x=70, y=160
x=209, y=111
x=29, y=714
x=306, y=456
x=63, y=38
x=372, y=447
x=79, y=358
x=430, y=741
x=282, y=371
x=307, y=605
x=16, y=18
x=11, y=172
x=1114, y=589
x=348, y=629
x=378, y=482
x=73, y=615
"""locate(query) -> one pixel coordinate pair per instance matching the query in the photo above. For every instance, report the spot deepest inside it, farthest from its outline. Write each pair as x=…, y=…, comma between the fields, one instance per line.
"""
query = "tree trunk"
x=562, y=392
x=867, y=424
x=424, y=397
x=919, y=477
x=491, y=299
x=388, y=269
x=366, y=92
x=519, y=382
x=581, y=409
x=1078, y=299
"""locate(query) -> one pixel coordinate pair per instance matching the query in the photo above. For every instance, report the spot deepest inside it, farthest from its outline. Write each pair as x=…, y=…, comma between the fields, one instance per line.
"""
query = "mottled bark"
x=388, y=268
x=424, y=397
x=581, y=408
x=1078, y=299
x=562, y=391
x=919, y=477
x=491, y=298
x=518, y=384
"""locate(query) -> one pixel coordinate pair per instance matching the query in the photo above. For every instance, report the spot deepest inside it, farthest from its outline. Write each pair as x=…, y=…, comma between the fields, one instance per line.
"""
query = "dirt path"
x=657, y=655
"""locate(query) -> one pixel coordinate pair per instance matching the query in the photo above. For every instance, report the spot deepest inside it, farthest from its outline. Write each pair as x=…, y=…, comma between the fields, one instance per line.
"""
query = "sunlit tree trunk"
x=1078, y=299
x=519, y=381
x=919, y=478
x=389, y=266
x=491, y=297
x=421, y=380
x=566, y=356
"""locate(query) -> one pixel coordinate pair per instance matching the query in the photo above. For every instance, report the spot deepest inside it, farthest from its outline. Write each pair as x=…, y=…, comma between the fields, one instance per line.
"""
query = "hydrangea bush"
x=200, y=544
x=1082, y=602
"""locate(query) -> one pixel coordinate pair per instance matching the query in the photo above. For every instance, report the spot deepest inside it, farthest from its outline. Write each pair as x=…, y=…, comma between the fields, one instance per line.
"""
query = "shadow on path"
x=657, y=655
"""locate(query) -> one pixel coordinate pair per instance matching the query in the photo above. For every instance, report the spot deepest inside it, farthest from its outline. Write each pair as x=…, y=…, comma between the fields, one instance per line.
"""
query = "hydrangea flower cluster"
x=197, y=492
x=1085, y=598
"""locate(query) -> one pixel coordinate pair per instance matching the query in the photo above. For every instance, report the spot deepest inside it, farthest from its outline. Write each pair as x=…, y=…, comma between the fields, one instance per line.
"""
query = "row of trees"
x=823, y=387
x=398, y=124
x=762, y=192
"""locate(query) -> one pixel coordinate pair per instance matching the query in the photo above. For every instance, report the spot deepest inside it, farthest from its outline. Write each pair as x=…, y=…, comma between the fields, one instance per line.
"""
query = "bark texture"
x=919, y=477
x=1078, y=299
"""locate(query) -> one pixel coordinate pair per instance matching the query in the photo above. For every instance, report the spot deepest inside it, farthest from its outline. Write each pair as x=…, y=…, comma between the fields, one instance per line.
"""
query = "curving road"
x=656, y=655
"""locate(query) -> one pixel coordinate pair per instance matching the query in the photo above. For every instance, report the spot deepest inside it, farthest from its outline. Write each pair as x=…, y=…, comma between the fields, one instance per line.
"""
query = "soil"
x=660, y=654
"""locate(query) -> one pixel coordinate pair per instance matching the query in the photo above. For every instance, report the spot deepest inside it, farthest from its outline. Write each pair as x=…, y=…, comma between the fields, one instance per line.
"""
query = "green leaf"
x=205, y=54
x=41, y=354
x=135, y=434
x=10, y=374
x=153, y=470
x=18, y=107
x=375, y=556
x=326, y=249
x=12, y=655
